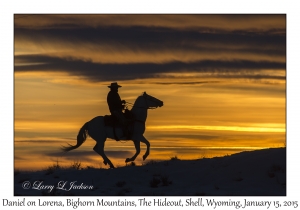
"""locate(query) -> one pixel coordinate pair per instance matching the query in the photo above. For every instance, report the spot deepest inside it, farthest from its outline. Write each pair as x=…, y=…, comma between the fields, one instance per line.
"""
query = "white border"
x=8, y=8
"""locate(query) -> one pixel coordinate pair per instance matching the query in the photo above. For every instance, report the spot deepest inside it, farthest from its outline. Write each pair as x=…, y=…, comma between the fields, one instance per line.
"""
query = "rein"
x=147, y=103
x=142, y=106
x=147, y=107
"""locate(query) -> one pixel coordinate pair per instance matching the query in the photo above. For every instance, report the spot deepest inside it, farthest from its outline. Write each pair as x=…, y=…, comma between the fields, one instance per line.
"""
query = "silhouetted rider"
x=115, y=104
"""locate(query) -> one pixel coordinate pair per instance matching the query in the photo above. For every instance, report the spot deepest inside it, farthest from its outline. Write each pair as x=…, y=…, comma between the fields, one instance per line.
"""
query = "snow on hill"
x=260, y=172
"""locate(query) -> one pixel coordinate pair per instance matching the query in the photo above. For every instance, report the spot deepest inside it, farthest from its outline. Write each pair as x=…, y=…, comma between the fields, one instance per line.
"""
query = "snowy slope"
x=260, y=172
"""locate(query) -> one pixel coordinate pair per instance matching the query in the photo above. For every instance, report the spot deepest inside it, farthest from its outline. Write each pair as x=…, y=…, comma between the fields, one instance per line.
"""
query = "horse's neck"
x=139, y=109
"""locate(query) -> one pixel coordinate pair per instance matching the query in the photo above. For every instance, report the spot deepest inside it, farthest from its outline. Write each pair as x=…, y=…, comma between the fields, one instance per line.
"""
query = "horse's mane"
x=137, y=99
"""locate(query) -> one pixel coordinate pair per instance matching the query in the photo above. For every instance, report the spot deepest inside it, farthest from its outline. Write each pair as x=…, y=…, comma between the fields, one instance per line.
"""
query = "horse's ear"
x=145, y=93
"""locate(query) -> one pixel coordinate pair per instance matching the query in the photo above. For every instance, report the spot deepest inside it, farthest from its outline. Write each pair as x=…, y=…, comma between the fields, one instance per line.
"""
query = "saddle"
x=112, y=121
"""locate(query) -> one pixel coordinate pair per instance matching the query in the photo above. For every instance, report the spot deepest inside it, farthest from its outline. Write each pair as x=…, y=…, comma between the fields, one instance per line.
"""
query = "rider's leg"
x=122, y=120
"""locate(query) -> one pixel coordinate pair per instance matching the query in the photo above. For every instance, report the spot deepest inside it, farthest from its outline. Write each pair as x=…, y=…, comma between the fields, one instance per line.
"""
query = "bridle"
x=146, y=97
x=149, y=98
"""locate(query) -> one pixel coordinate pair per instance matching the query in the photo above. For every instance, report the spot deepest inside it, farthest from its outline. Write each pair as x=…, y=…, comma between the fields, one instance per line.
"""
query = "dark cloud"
x=177, y=135
x=40, y=141
x=158, y=38
x=153, y=40
x=107, y=72
x=19, y=158
x=186, y=83
x=85, y=154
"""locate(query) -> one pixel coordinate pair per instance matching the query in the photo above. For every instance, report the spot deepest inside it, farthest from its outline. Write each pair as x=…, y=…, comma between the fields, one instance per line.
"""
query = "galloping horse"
x=96, y=129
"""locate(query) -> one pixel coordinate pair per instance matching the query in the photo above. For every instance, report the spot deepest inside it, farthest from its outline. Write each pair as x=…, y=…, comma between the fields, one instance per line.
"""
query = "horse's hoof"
x=111, y=166
x=144, y=157
x=105, y=163
x=127, y=160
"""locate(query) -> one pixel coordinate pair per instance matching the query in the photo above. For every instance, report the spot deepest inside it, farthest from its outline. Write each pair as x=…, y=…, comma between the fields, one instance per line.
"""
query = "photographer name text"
x=61, y=185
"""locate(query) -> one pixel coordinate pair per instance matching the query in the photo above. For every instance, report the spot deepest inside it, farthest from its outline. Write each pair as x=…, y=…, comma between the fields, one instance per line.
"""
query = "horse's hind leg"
x=99, y=148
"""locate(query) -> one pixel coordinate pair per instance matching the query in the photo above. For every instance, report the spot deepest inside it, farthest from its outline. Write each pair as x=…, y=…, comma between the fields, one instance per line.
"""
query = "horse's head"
x=152, y=102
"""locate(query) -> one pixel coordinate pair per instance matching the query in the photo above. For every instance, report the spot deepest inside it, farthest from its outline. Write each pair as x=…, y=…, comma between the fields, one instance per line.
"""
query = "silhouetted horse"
x=96, y=129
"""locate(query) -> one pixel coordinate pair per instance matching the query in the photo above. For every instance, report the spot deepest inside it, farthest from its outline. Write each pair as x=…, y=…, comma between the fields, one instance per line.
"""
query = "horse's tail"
x=81, y=137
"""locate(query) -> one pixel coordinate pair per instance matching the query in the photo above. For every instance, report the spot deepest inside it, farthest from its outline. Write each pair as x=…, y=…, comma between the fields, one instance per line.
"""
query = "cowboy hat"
x=114, y=85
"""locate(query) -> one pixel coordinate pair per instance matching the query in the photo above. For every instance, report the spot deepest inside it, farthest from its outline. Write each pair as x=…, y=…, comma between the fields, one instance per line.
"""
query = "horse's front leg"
x=99, y=148
x=137, y=148
x=145, y=141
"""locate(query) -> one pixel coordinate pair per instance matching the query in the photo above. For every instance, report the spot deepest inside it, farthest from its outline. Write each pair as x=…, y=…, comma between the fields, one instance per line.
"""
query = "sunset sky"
x=222, y=79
